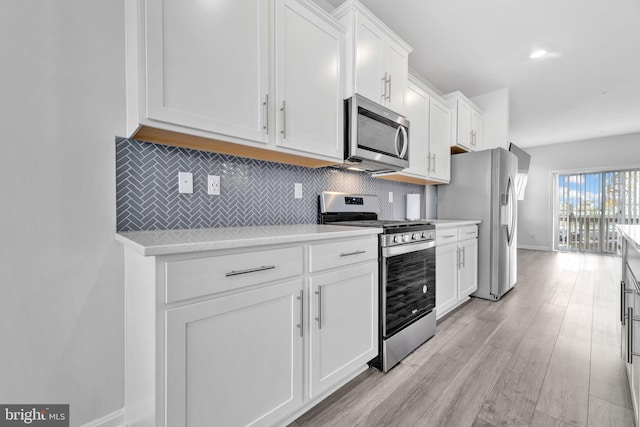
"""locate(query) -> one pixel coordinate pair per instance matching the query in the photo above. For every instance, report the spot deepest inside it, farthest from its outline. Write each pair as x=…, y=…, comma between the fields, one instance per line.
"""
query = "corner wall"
x=61, y=271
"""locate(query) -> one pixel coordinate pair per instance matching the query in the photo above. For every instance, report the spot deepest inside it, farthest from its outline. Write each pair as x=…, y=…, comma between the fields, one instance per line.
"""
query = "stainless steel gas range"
x=407, y=260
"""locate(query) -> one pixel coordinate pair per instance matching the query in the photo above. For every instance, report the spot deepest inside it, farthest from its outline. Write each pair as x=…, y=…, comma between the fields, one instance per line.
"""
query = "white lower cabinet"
x=456, y=266
x=235, y=360
x=343, y=328
x=247, y=336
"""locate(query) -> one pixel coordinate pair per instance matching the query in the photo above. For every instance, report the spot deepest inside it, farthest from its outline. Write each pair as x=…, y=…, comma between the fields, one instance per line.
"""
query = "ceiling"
x=587, y=86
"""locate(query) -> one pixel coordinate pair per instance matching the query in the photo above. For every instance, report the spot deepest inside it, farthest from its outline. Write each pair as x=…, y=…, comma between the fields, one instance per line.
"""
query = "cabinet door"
x=396, y=63
x=476, y=126
x=446, y=278
x=235, y=360
x=439, y=140
x=309, y=100
x=463, y=125
x=417, y=111
x=207, y=65
x=468, y=274
x=343, y=324
x=369, y=74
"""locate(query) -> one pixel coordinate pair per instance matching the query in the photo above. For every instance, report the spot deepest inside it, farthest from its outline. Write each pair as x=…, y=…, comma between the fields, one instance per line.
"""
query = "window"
x=589, y=205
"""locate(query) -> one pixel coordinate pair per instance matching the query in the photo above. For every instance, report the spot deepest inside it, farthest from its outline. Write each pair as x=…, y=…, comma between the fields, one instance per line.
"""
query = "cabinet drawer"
x=336, y=254
x=448, y=235
x=468, y=232
x=196, y=277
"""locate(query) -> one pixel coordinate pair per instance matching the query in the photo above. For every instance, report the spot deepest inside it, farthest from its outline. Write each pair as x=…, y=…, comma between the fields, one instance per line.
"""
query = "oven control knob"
x=396, y=239
x=425, y=235
x=405, y=238
x=416, y=236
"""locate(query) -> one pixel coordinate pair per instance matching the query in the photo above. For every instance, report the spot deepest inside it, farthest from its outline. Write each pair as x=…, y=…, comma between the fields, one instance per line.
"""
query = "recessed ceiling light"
x=538, y=53
x=604, y=94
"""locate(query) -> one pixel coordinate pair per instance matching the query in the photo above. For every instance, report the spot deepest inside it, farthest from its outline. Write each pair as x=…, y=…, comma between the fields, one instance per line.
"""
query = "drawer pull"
x=250, y=270
x=448, y=236
x=352, y=253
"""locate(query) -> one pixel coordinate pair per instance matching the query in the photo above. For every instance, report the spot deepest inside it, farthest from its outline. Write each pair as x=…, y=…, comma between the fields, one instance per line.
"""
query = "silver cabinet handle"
x=629, y=334
x=434, y=162
x=471, y=137
x=250, y=270
x=266, y=114
x=458, y=258
x=389, y=93
x=352, y=253
x=284, y=119
x=464, y=257
x=319, y=318
x=428, y=163
x=630, y=352
x=301, y=324
x=447, y=236
x=623, y=301
x=384, y=87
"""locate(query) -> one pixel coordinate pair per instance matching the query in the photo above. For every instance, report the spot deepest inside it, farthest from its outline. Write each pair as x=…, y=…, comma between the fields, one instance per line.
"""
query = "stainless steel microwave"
x=376, y=138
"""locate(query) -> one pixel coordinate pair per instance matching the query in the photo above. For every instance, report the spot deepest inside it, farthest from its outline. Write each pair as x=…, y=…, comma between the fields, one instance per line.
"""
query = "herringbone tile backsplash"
x=253, y=192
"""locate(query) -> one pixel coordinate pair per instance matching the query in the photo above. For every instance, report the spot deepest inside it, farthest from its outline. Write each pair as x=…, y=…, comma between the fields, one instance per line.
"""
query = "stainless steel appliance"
x=483, y=187
x=376, y=138
x=407, y=273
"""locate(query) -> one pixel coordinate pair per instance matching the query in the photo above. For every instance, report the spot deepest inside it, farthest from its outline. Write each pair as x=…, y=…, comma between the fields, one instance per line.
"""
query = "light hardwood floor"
x=546, y=354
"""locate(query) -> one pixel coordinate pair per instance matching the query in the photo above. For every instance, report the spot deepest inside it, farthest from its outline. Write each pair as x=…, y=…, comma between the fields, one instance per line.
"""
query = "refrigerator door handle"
x=512, y=214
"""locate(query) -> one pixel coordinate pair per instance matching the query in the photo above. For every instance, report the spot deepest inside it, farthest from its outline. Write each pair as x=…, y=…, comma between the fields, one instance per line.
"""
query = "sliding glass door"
x=589, y=205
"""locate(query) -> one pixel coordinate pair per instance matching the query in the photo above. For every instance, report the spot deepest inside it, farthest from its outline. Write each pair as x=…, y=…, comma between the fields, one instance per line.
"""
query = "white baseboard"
x=114, y=419
x=534, y=248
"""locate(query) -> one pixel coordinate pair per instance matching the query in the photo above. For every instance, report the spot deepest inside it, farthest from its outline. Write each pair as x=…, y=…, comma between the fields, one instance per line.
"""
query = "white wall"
x=495, y=119
x=61, y=273
x=535, y=216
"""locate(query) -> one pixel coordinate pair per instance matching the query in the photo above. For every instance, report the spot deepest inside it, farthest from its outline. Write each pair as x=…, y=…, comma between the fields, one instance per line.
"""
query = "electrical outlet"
x=185, y=182
x=297, y=190
x=213, y=185
x=390, y=196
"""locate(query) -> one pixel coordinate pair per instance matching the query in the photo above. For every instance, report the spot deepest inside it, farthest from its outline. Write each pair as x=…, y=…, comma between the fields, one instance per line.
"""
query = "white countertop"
x=166, y=242
x=446, y=223
x=631, y=233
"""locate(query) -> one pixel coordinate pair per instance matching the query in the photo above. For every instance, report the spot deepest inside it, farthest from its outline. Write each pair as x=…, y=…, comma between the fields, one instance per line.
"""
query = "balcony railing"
x=589, y=233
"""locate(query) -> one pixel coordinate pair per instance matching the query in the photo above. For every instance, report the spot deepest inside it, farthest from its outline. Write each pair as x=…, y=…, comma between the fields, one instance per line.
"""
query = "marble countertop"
x=631, y=233
x=445, y=223
x=167, y=242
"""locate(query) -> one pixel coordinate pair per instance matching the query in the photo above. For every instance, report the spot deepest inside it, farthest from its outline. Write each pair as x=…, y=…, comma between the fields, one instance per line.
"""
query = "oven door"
x=408, y=288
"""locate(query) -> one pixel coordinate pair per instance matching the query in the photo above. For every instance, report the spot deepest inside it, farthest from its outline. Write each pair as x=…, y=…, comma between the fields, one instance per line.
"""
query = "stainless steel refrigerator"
x=483, y=187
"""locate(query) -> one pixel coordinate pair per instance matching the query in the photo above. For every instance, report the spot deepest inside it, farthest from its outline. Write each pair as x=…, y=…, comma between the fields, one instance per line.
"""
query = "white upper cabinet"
x=417, y=111
x=377, y=59
x=466, y=123
x=439, y=140
x=309, y=95
x=264, y=74
x=207, y=65
x=429, y=137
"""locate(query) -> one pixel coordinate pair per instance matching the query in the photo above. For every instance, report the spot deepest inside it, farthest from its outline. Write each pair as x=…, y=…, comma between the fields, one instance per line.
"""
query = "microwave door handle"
x=405, y=142
x=395, y=141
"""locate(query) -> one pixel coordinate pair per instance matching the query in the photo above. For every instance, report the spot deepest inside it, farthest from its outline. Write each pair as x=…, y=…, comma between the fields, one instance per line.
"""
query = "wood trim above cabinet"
x=177, y=139
x=409, y=179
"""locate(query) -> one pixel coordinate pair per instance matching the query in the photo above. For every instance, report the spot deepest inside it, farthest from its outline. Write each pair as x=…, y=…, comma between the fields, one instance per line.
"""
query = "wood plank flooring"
x=546, y=354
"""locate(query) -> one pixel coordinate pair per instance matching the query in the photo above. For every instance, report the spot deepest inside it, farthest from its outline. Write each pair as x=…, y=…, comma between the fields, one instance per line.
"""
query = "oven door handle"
x=408, y=248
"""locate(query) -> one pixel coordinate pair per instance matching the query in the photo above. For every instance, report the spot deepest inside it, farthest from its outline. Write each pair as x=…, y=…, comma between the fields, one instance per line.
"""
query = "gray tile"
x=253, y=192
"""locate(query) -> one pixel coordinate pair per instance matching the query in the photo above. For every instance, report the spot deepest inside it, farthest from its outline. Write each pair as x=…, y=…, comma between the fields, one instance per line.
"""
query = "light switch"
x=390, y=196
x=185, y=182
x=297, y=190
